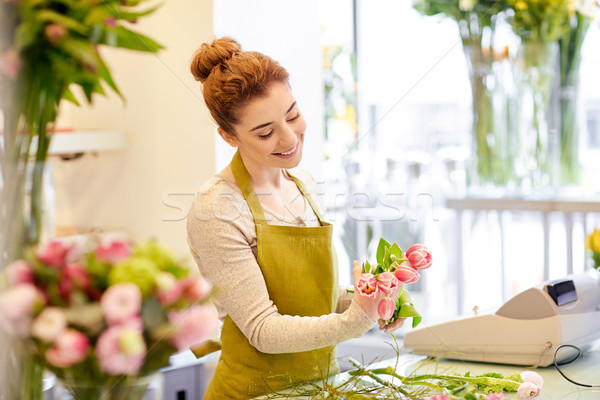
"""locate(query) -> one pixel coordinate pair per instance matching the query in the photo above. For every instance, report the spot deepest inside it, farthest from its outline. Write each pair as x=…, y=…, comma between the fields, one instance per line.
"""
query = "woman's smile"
x=289, y=153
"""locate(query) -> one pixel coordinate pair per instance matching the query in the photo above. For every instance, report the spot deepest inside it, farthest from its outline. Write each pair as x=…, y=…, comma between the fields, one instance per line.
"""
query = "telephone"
x=526, y=330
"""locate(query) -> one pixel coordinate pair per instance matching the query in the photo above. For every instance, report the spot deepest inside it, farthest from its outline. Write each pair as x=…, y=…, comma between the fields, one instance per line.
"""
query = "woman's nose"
x=288, y=136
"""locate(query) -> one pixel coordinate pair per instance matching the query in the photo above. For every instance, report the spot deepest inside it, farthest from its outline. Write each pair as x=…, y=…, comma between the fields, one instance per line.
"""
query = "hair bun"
x=209, y=55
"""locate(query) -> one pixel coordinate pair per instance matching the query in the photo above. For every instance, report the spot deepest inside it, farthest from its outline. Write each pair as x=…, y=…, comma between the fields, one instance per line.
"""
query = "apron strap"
x=307, y=195
x=243, y=180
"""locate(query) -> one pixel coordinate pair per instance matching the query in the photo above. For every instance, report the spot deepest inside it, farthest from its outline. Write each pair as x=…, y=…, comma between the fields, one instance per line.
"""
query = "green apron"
x=300, y=271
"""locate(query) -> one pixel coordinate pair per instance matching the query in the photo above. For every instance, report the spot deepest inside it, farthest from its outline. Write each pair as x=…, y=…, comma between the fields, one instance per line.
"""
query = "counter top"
x=586, y=369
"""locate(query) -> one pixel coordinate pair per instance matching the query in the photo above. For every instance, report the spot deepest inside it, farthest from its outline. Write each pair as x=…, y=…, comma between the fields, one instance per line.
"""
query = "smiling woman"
x=257, y=235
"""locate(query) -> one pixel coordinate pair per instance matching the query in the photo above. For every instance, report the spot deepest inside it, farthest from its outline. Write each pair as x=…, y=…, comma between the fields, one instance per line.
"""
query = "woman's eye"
x=294, y=118
x=266, y=136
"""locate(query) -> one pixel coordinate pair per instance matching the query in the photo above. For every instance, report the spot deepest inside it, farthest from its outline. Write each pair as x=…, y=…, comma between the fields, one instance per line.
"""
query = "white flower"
x=466, y=5
x=49, y=324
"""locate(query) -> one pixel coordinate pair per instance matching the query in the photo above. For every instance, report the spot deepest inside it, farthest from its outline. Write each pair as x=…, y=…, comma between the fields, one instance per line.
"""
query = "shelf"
x=64, y=143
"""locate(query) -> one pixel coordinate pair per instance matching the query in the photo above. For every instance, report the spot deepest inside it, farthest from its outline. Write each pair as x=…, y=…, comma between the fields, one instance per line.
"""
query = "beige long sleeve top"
x=222, y=239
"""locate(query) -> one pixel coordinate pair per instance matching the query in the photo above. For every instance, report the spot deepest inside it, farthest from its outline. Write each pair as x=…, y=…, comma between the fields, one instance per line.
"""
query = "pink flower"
x=418, y=256
x=121, y=350
x=10, y=63
x=406, y=273
x=53, y=253
x=73, y=277
x=193, y=326
x=168, y=288
x=110, y=22
x=16, y=308
x=113, y=252
x=120, y=302
x=528, y=390
x=195, y=288
x=49, y=324
x=438, y=397
x=388, y=283
x=367, y=285
x=530, y=376
x=386, y=308
x=531, y=386
x=71, y=347
x=55, y=32
x=496, y=396
x=19, y=272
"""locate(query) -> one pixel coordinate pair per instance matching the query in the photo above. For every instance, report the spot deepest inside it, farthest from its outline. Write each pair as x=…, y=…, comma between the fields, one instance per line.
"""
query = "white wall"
x=289, y=32
x=169, y=137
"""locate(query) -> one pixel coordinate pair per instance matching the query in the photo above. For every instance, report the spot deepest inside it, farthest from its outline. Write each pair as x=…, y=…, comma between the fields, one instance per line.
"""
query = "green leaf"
x=387, y=261
x=407, y=310
x=24, y=36
x=129, y=15
x=128, y=39
x=153, y=314
x=70, y=23
x=105, y=74
x=404, y=297
x=366, y=268
x=396, y=251
x=81, y=50
x=70, y=97
x=381, y=249
x=416, y=321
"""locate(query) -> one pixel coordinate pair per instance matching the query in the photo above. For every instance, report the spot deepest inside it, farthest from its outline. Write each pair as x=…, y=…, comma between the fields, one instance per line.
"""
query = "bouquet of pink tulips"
x=107, y=315
x=385, y=280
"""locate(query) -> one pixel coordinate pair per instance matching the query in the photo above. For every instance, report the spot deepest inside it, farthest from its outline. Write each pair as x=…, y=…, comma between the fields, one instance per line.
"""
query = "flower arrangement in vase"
x=105, y=319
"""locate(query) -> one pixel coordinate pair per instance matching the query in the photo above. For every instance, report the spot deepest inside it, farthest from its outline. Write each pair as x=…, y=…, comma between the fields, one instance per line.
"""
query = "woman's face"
x=270, y=132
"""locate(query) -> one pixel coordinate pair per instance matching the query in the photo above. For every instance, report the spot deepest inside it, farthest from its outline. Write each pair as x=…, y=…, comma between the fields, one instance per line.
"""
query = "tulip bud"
x=386, y=308
x=418, y=256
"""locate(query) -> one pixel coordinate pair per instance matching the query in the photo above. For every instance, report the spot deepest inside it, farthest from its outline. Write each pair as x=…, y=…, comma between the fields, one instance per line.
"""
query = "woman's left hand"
x=387, y=328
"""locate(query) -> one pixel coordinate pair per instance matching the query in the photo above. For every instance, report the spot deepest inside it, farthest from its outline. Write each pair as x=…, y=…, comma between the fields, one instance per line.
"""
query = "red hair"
x=232, y=78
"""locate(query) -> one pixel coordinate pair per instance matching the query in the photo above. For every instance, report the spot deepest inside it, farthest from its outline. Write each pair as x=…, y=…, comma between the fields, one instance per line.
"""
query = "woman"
x=256, y=234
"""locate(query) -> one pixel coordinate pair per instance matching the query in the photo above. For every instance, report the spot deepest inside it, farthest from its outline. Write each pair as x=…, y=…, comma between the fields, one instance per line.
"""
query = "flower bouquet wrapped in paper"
x=103, y=320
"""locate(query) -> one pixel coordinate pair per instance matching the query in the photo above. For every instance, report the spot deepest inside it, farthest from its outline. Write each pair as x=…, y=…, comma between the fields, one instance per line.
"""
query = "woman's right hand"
x=368, y=304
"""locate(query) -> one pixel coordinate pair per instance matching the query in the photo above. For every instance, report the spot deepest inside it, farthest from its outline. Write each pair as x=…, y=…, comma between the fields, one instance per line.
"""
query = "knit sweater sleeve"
x=222, y=239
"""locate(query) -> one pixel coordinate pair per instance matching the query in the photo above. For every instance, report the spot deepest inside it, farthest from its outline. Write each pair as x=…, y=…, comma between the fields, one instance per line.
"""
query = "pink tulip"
x=16, y=308
x=19, y=272
x=51, y=322
x=438, y=397
x=496, y=396
x=406, y=273
x=121, y=350
x=113, y=251
x=418, y=256
x=71, y=347
x=386, y=308
x=193, y=326
x=195, y=288
x=388, y=283
x=53, y=253
x=528, y=390
x=121, y=302
x=367, y=285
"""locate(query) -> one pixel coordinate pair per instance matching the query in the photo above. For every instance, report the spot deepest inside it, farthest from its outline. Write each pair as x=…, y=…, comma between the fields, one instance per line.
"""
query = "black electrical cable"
x=570, y=361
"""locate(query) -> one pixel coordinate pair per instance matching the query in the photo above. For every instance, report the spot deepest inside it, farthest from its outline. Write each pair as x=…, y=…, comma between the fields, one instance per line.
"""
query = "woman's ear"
x=231, y=139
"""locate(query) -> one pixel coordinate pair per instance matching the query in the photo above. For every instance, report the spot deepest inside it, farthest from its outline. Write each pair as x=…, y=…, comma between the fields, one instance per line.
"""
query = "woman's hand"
x=368, y=304
x=388, y=328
